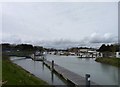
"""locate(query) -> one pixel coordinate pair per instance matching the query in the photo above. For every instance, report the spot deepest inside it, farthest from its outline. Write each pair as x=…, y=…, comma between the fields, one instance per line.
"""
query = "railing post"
x=34, y=57
x=92, y=55
x=43, y=60
x=52, y=65
x=87, y=80
x=81, y=56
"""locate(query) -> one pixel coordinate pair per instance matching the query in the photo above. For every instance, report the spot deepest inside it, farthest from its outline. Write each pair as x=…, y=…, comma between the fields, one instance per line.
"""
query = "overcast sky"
x=60, y=24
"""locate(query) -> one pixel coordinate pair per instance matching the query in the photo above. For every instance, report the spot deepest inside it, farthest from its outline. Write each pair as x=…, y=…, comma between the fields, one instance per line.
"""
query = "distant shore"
x=110, y=61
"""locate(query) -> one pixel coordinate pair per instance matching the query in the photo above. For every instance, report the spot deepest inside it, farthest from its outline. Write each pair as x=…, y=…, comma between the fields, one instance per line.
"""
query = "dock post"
x=52, y=65
x=52, y=77
x=34, y=57
x=87, y=80
x=92, y=55
x=43, y=60
x=81, y=56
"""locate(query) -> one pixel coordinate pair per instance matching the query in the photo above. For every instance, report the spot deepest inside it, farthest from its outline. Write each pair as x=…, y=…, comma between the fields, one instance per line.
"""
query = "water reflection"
x=52, y=77
x=102, y=74
x=42, y=66
x=40, y=70
x=119, y=77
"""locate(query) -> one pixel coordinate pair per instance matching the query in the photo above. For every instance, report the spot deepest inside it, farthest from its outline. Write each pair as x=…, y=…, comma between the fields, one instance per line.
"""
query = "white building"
x=72, y=53
x=83, y=50
x=117, y=54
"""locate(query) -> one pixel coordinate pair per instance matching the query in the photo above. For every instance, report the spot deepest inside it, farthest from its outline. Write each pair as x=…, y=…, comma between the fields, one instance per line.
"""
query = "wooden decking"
x=69, y=75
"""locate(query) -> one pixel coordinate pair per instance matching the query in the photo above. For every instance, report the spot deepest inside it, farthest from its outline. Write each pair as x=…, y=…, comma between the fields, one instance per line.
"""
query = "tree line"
x=29, y=47
x=109, y=48
x=20, y=47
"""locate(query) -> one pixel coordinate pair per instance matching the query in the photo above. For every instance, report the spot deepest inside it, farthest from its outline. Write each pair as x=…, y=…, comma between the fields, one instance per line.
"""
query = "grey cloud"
x=46, y=23
x=94, y=40
x=106, y=38
x=14, y=39
x=59, y=20
x=57, y=43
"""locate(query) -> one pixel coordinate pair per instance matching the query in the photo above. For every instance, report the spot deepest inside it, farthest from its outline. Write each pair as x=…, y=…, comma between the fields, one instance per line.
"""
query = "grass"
x=110, y=61
x=15, y=75
x=0, y=72
x=0, y=69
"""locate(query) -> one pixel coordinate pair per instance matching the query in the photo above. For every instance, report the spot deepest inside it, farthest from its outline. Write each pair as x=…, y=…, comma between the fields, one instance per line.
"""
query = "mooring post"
x=43, y=65
x=87, y=80
x=81, y=56
x=92, y=55
x=34, y=56
x=52, y=65
x=52, y=77
x=43, y=60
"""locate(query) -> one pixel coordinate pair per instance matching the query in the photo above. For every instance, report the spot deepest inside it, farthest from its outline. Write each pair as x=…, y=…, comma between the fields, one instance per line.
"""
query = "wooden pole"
x=81, y=56
x=43, y=60
x=92, y=55
x=34, y=56
x=52, y=65
x=87, y=80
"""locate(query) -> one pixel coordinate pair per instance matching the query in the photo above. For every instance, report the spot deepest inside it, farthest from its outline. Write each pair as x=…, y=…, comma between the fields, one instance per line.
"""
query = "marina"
x=69, y=69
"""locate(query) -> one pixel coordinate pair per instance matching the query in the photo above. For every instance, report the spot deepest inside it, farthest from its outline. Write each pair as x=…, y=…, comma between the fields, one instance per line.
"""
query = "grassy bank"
x=110, y=61
x=0, y=70
x=15, y=75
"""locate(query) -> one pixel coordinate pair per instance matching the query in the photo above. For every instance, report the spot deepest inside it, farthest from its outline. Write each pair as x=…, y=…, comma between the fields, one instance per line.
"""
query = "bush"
x=110, y=61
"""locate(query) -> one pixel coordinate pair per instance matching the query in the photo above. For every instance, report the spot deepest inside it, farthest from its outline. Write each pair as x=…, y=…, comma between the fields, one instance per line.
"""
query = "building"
x=83, y=50
x=117, y=54
x=87, y=52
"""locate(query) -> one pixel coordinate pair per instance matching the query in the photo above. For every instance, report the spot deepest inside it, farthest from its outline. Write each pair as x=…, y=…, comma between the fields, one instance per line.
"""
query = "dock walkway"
x=69, y=75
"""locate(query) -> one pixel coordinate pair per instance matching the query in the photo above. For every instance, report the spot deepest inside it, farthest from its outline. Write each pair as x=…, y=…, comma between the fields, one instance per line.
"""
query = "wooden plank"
x=69, y=75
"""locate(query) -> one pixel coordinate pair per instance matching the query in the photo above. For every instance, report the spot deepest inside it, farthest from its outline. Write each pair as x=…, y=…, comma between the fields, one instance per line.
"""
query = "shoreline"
x=20, y=75
x=110, y=61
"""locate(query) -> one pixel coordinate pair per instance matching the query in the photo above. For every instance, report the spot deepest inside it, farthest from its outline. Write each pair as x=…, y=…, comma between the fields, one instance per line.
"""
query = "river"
x=38, y=69
x=101, y=74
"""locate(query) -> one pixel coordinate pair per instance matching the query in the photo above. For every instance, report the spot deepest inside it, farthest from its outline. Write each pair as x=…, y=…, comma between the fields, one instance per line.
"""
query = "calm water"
x=100, y=73
x=38, y=69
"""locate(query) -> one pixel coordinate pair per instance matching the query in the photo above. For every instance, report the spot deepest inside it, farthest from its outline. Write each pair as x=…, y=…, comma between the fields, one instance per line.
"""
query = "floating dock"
x=68, y=75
